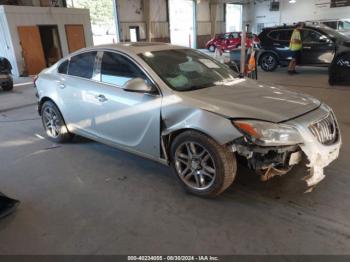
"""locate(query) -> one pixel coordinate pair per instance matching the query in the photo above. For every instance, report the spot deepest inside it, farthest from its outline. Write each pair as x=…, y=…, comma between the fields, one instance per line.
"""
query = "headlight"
x=269, y=134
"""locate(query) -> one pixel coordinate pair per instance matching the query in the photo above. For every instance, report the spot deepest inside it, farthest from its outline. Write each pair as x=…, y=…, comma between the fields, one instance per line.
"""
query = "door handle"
x=101, y=98
x=62, y=86
x=307, y=47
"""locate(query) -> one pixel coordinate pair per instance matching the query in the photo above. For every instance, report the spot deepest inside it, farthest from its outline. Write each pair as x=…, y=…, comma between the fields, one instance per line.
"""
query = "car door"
x=76, y=95
x=317, y=48
x=280, y=43
x=128, y=119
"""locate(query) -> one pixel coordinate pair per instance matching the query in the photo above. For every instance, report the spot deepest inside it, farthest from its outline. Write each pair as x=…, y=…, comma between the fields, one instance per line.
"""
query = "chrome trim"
x=325, y=129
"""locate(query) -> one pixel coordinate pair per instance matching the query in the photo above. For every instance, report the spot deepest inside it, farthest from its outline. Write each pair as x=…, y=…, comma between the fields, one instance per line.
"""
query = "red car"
x=231, y=40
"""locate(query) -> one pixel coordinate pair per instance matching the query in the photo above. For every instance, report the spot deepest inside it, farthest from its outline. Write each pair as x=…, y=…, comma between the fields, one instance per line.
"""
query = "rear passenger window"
x=235, y=35
x=117, y=69
x=82, y=65
x=281, y=35
x=63, y=68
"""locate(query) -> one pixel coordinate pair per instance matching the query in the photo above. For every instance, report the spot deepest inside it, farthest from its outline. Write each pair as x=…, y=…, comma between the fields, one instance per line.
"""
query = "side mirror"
x=138, y=85
x=323, y=40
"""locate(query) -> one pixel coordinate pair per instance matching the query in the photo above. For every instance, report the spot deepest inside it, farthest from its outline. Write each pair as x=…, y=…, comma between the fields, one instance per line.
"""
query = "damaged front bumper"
x=322, y=141
x=268, y=161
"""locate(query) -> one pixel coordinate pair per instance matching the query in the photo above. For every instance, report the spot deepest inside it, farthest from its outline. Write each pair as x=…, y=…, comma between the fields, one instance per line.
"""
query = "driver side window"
x=117, y=69
x=313, y=37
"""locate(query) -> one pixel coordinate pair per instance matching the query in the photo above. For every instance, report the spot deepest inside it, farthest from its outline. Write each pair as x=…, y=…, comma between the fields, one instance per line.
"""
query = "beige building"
x=33, y=37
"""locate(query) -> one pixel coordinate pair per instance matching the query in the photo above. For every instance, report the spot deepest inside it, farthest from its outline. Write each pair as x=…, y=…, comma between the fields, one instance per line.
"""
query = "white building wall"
x=131, y=13
x=303, y=10
x=29, y=16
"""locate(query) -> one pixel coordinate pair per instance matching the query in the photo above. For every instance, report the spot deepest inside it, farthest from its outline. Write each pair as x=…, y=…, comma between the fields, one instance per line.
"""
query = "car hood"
x=244, y=98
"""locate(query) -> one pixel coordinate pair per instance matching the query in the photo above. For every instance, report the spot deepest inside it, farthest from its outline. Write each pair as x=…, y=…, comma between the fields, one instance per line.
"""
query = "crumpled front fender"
x=215, y=126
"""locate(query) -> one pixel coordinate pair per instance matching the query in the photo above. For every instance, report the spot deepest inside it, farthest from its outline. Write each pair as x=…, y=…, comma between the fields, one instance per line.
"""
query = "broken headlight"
x=268, y=134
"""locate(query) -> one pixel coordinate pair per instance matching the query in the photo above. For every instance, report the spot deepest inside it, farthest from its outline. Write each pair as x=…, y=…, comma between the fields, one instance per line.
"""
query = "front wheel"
x=268, y=62
x=212, y=48
x=54, y=124
x=202, y=166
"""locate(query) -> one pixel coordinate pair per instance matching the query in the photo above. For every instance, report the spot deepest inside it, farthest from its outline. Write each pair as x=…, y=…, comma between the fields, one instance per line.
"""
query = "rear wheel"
x=268, y=62
x=212, y=48
x=202, y=166
x=54, y=124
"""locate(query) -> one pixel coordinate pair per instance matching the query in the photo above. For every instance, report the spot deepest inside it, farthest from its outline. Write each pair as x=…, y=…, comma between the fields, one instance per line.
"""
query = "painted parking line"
x=23, y=84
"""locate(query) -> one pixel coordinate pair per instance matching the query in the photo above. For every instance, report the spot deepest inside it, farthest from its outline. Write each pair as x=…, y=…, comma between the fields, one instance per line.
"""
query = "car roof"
x=136, y=47
x=307, y=25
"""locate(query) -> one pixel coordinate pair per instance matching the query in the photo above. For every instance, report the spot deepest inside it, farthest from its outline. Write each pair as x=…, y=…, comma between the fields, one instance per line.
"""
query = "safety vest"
x=295, y=36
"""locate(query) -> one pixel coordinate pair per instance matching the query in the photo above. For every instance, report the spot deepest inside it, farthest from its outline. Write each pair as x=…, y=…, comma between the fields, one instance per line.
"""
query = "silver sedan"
x=182, y=108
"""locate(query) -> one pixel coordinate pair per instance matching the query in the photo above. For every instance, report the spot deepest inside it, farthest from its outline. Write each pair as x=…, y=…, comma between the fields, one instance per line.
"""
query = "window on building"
x=260, y=27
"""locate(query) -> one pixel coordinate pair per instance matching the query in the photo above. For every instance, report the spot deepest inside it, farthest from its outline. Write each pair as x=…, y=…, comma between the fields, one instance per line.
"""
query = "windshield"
x=334, y=34
x=187, y=69
x=344, y=25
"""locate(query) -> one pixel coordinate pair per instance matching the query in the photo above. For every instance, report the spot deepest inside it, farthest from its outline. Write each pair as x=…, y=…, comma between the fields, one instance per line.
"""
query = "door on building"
x=32, y=49
x=51, y=43
x=134, y=33
x=182, y=22
x=75, y=37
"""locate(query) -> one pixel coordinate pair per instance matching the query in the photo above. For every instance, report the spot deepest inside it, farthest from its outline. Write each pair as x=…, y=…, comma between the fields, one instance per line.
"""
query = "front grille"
x=325, y=130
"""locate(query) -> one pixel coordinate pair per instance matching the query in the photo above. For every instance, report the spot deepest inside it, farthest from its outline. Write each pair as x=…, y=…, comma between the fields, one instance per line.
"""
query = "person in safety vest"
x=295, y=46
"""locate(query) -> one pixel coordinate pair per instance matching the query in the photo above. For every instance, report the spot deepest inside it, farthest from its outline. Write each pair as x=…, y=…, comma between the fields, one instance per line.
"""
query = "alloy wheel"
x=195, y=166
x=51, y=122
x=268, y=62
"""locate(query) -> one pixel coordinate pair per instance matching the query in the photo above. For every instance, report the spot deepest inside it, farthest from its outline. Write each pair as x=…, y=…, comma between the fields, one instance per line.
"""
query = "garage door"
x=75, y=37
x=32, y=49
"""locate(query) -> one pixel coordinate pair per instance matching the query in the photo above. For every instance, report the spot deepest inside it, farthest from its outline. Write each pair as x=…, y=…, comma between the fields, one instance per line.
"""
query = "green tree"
x=101, y=11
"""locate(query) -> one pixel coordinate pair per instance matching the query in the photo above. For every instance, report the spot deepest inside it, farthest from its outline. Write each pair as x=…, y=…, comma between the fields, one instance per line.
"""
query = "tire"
x=8, y=86
x=54, y=125
x=208, y=169
x=212, y=48
x=268, y=62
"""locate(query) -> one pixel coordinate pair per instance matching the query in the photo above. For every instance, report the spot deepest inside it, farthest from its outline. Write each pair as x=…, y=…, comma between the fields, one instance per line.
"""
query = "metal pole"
x=243, y=49
x=116, y=20
x=194, y=24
